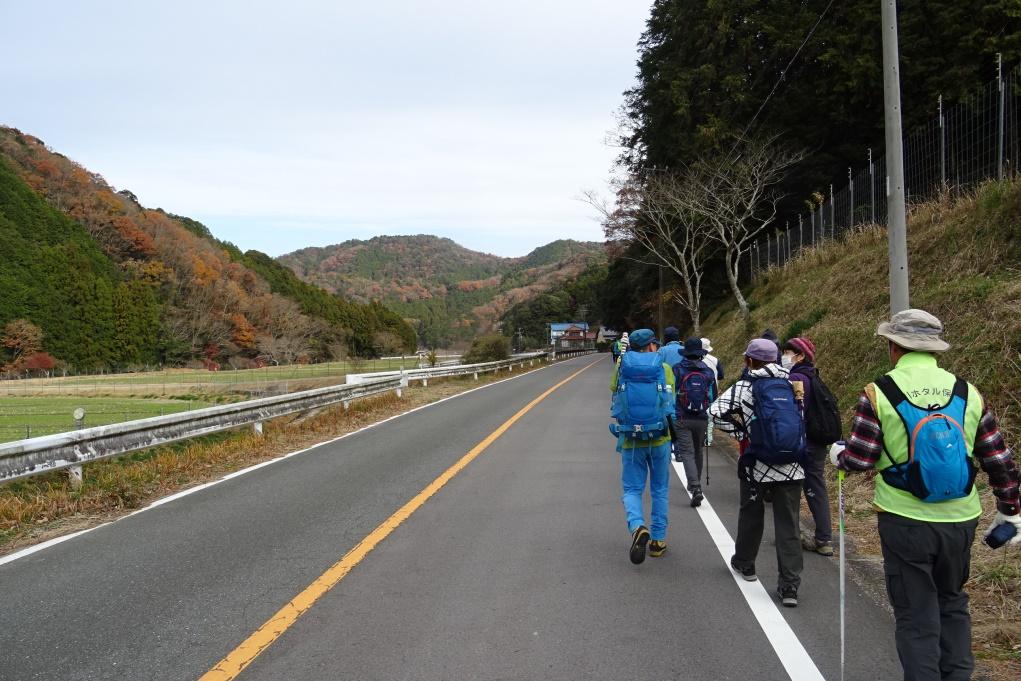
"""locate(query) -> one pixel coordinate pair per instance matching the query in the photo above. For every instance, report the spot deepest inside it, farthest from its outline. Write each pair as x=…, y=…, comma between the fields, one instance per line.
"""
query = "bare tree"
x=655, y=212
x=738, y=198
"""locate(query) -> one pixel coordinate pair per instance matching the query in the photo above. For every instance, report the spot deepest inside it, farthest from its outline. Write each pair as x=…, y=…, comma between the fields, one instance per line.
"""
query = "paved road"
x=516, y=569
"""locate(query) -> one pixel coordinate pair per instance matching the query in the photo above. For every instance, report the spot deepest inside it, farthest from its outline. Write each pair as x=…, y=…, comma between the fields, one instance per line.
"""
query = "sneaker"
x=788, y=596
x=748, y=573
x=639, y=538
x=657, y=548
x=696, y=496
x=809, y=543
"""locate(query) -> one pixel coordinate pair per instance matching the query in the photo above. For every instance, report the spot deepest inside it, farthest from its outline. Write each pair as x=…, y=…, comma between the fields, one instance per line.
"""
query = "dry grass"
x=35, y=509
x=965, y=260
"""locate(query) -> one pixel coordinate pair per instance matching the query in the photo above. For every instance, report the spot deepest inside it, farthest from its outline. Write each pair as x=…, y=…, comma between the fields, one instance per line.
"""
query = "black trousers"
x=751, y=521
x=926, y=566
x=816, y=494
x=689, y=438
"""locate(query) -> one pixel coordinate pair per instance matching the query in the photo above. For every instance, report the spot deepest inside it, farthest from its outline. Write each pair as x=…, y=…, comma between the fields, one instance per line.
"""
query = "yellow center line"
x=242, y=656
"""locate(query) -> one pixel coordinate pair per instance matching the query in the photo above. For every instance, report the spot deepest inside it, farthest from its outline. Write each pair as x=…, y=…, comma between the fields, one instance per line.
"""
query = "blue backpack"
x=777, y=430
x=938, y=466
x=694, y=387
x=644, y=400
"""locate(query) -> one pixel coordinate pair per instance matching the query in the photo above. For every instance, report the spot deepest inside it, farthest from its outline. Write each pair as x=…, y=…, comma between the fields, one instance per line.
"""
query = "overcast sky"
x=289, y=124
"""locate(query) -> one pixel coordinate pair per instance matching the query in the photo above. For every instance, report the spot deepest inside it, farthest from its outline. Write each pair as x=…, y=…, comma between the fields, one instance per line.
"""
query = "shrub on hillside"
x=491, y=348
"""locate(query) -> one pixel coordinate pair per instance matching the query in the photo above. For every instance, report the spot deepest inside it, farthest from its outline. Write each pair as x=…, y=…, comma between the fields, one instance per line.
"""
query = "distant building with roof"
x=575, y=337
x=560, y=328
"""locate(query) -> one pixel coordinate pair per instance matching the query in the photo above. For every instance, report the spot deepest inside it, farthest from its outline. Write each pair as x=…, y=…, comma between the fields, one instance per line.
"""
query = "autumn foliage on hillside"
x=156, y=288
x=448, y=292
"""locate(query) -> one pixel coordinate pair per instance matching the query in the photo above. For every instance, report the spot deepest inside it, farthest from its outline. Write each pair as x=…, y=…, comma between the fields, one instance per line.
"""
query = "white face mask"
x=787, y=361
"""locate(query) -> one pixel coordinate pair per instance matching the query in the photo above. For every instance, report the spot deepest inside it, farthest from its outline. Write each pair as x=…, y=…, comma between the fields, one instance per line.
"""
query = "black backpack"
x=822, y=417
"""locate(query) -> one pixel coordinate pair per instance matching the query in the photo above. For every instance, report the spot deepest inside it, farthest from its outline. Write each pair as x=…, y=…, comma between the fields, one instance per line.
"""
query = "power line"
x=783, y=75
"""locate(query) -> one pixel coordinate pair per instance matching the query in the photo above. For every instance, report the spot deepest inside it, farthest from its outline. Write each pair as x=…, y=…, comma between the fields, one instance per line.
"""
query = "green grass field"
x=197, y=381
x=22, y=417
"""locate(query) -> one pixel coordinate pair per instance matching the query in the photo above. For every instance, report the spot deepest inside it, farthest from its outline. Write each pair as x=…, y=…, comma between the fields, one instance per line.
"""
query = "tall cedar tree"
x=706, y=66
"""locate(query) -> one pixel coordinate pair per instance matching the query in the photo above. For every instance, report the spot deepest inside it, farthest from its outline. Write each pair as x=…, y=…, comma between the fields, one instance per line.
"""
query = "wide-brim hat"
x=707, y=345
x=914, y=330
x=693, y=348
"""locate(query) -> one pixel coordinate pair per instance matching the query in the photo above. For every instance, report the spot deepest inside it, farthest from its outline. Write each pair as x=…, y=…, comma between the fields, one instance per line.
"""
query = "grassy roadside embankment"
x=38, y=508
x=965, y=259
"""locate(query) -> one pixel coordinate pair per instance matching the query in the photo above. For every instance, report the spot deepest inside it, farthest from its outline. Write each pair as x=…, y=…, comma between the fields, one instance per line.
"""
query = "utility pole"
x=896, y=219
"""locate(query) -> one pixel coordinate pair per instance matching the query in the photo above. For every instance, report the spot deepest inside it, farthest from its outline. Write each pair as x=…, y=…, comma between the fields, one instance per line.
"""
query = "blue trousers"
x=637, y=465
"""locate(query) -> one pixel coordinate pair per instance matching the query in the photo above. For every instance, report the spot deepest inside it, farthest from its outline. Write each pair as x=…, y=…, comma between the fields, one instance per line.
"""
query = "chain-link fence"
x=963, y=145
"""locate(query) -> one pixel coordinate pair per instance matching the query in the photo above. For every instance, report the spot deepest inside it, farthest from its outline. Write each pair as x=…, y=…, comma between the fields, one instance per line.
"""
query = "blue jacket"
x=671, y=353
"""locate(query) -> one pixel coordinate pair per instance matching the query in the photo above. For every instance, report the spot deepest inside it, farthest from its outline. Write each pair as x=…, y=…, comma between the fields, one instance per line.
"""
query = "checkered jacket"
x=733, y=412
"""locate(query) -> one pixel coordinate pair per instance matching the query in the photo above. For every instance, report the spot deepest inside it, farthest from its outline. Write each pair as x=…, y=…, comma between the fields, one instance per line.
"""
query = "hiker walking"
x=711, y=360
x=696, y=390
x=924, y=429
x=769, y=334
x=670, y=353
x=715, y=364
x=822, y=428
x=762, y=410
x=643, y=405
x=619, y=347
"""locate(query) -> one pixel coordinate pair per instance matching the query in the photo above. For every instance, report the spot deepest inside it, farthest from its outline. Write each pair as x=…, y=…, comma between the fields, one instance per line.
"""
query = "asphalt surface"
x=516, y=569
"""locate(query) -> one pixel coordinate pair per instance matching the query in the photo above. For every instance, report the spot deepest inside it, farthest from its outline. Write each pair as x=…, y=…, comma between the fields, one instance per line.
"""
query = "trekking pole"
x=707, y=466
x=708, y=444
x=843, y=564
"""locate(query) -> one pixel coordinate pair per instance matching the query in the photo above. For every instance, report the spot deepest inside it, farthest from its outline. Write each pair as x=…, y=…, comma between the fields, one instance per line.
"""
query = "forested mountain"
x=95, y=280
x=449, y=293
x=707, y=73
x=808, y=74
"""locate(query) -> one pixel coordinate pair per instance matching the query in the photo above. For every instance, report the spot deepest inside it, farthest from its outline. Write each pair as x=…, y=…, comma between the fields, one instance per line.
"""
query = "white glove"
x=836, y=449
x=1001, y=519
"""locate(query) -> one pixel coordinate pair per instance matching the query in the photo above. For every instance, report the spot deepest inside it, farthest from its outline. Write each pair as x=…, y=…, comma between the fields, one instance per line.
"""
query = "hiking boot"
x=639, y=538
x=788, y=596
x=823, y=548
x=657, y=548
x=748, y=573
x=696, y=496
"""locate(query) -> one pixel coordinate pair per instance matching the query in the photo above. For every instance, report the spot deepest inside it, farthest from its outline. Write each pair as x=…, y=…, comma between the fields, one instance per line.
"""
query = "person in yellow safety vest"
x=926, y=501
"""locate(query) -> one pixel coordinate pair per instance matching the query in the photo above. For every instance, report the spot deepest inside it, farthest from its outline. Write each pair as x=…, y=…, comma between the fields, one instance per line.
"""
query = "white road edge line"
x=793, y=656
x=11, y=557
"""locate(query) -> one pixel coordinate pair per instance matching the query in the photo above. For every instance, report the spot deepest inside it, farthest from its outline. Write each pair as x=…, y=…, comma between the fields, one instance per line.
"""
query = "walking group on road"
x=926, y=431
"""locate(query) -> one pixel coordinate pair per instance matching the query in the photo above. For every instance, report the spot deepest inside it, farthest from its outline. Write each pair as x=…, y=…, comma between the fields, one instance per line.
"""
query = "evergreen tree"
x=706, y=67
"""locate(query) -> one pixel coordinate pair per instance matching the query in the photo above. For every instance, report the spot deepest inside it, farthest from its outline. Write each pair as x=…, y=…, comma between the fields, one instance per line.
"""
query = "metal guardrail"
x=38, y=455
x=566, y=354
x=442, y=371
x=35, y=456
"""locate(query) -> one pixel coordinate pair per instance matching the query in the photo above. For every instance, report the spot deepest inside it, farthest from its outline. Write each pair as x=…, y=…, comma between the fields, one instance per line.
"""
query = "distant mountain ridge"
x=449, y=293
